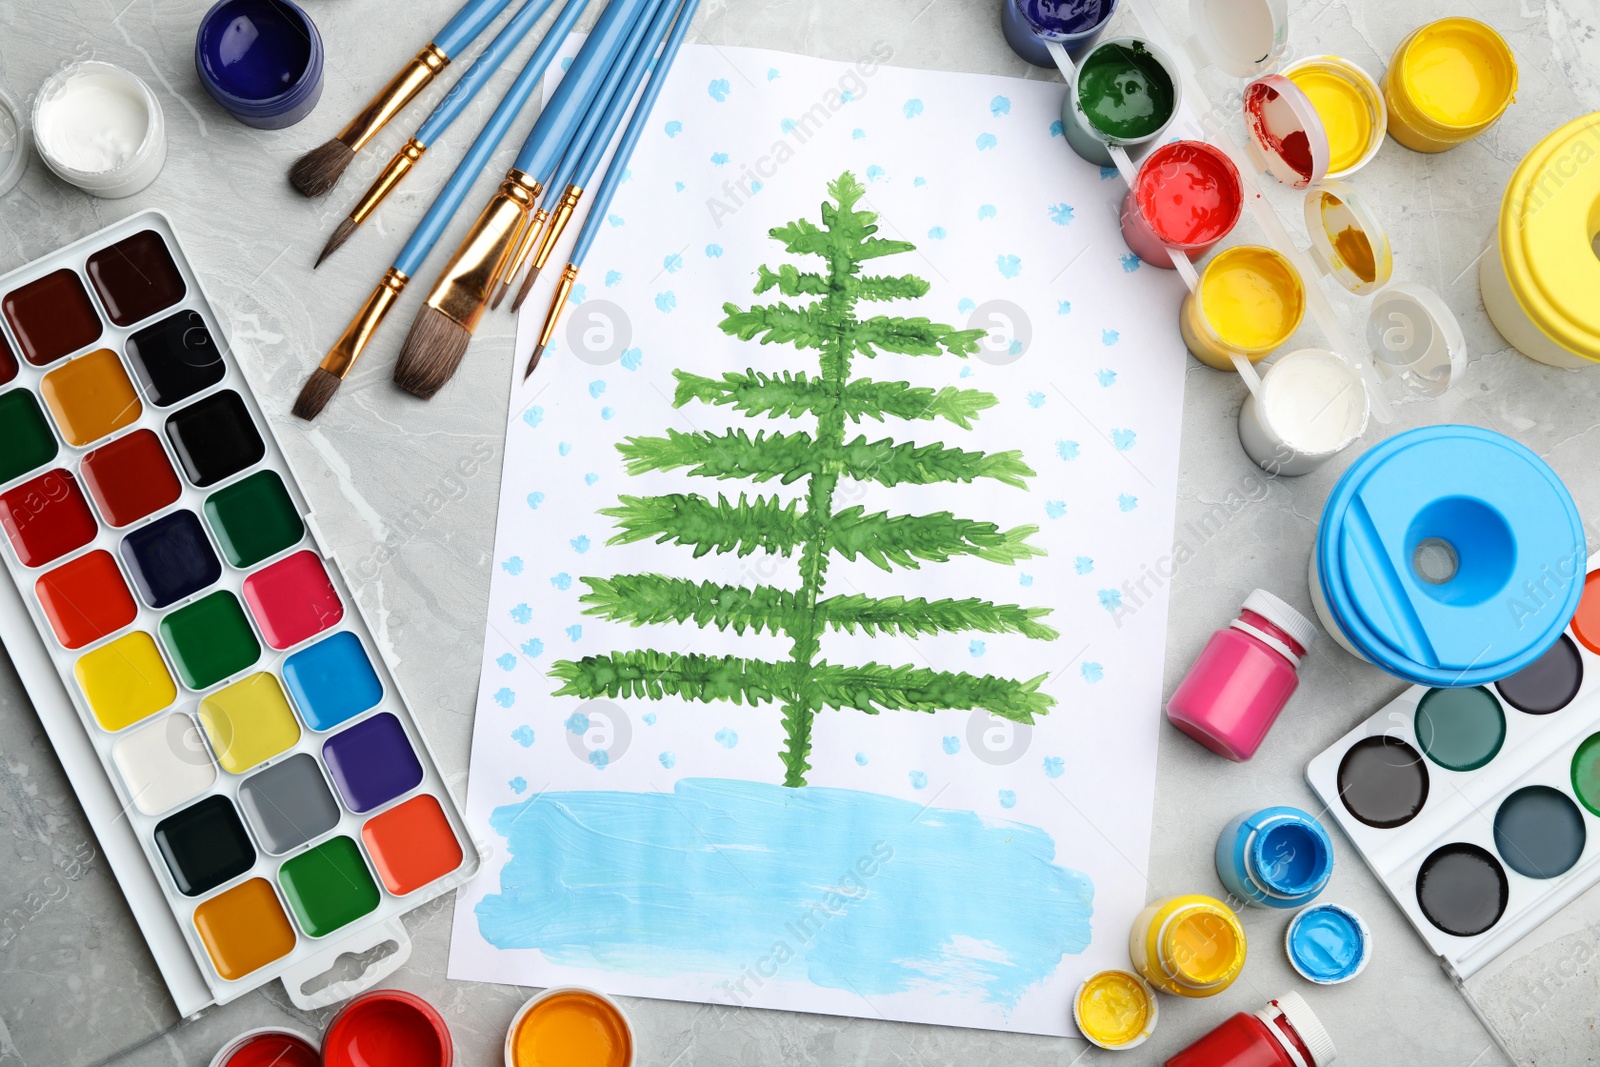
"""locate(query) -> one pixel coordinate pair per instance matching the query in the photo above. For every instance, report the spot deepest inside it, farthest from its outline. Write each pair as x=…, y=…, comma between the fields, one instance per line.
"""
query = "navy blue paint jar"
x=261, y=60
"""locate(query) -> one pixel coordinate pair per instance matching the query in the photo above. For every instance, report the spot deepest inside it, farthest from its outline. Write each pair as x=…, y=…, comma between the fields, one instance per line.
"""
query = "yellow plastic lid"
x=1548, y=222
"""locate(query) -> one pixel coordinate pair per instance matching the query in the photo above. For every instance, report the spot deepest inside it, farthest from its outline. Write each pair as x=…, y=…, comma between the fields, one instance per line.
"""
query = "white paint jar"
x=1312, y=405
x=100, y=128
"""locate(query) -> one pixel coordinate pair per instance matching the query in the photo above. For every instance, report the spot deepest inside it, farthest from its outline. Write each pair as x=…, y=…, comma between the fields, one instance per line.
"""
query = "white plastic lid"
x=1347, y=240
x=1286, y=136
x=1243, y=37
x=1416, y=340
x=13, y=143
x=1298, y=1014
x=1281, y=615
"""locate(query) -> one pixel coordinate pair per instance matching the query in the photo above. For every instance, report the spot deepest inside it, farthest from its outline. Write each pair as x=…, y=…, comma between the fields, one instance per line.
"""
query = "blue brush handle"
x=613, y=98
x=483, y=68
x=460, y=184
x=630, y=136
x=473, y=18
x=573, y=95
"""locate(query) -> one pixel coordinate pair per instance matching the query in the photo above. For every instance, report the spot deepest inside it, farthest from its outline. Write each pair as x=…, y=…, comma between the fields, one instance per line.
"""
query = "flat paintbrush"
x=319, y=169
x=454, y=306
x=450, y=108
x=325, y=380
x=613, y=178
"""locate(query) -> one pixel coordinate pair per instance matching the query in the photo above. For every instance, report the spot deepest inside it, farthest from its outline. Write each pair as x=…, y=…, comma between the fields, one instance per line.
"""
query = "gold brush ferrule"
x=464, y=285
x=393, y=174
x=569, y=274
x=558, y=222
x=530, y=234
x=393, y=98
x=347, y=349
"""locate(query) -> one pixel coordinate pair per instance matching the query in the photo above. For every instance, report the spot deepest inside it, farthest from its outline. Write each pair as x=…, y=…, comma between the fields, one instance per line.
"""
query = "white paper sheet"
x=938, y=866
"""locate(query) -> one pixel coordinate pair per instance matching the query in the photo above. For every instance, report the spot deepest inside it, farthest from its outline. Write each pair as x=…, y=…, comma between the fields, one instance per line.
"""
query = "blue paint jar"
x=1449, y=556
x=1075, y=24
x=1277, y=857
x=261, y=60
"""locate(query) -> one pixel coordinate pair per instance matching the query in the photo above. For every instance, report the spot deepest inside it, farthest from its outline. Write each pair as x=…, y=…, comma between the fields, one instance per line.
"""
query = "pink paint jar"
x=1243, y=678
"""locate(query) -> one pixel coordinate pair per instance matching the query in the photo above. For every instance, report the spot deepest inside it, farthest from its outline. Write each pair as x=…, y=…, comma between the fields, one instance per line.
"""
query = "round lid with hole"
x=1450, y=556
x=1243, y=37
x=1286, y=136
x=1347, y=240
x=1416, y=340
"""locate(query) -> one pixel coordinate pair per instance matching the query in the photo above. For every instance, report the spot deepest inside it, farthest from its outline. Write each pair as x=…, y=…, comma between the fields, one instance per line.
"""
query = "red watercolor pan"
x=292, y=600
x=52, y=317
x=130, y=478
x=86, y=599
x=47, y=517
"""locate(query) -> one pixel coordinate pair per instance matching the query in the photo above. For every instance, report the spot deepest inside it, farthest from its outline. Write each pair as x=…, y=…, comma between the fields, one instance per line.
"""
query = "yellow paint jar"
x=1190, y=945
x=1250, y=300
x=1447, y=82
x=1541, y=280
x=1115, y=1010
x=1350, y=104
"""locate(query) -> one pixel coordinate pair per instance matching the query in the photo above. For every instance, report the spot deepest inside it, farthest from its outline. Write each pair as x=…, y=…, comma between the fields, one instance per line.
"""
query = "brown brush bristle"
x=500, y=291
x=431, y=354
x=316, y=393
x=527, y=287
x=533, y=362
x=341, y=234
x=320, y=169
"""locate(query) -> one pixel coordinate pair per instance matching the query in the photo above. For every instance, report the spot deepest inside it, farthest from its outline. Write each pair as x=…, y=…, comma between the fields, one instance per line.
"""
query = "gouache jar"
x=100, y=128
x=1115, y=1010
x=1278, y=857
x=1187, y=197
x=1243, y=677
x=1073, y=24
x=1249, y=302
x=1285, y=1033
x=1449, y=556
x=261, y=60
x=1541, y=279
x=1312, y=405
x=268, y=1046
x=1350, y=103
x=387, y=1026
x=1125, y=92
x=1447, y=82
x=570, y=1025
x=1190, y=945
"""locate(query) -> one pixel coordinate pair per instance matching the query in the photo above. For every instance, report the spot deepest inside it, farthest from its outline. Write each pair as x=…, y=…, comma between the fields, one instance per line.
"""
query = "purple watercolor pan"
x=372, y=762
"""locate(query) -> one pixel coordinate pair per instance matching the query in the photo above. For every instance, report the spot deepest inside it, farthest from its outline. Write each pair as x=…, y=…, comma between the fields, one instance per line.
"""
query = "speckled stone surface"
x=77, y=984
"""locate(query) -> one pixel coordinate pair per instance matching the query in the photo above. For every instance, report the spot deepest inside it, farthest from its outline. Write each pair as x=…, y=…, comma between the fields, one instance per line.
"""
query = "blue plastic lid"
x=1328, y=944
x=1451, y=556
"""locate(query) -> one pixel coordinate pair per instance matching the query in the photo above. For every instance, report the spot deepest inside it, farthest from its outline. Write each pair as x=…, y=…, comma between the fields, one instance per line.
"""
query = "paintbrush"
x=319, y=169
x=455, y=102
x=613, y=178
x=325, y=380
x=621, y=81
x=455, y=305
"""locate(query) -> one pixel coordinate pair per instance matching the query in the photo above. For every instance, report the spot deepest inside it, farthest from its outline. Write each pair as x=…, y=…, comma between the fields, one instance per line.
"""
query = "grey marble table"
x=77, y=984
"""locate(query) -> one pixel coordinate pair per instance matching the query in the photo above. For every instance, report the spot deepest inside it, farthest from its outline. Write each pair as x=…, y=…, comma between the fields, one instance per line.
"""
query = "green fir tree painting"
x=811, y=527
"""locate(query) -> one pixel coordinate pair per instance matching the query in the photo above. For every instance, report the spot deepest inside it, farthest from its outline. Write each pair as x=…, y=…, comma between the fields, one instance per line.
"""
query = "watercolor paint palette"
x=1479, y=808
x=202, y=641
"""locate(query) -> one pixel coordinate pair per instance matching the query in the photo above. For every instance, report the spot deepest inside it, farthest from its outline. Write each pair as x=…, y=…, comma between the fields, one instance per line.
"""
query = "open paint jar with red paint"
x=1186, y=197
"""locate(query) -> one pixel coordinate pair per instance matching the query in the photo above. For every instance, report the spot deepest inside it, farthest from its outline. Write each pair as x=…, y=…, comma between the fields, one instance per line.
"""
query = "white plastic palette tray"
x=1460, y=807
x=123, y=813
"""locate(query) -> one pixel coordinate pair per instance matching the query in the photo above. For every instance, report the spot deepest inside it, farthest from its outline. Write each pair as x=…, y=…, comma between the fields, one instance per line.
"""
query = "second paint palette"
x=1478, y=808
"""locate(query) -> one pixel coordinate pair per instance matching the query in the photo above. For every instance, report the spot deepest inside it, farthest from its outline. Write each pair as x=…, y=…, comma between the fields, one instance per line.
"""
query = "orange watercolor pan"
x=412, y=844
x=244, y=929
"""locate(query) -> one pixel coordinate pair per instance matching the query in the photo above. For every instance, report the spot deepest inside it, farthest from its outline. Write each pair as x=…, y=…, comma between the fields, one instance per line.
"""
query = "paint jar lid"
x=1276, y=611
x=1286, y=136
x=1328, y=944
x=1416, y=340
x=1449, y=556
x=1298, y=1014
x=1122, y=993
x=13, y=143
x=1242, y=37
x=1347, y=240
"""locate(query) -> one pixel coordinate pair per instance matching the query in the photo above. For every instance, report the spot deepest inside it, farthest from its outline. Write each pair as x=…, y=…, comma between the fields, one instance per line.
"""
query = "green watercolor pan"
x=189, y=643
x=1478, y=807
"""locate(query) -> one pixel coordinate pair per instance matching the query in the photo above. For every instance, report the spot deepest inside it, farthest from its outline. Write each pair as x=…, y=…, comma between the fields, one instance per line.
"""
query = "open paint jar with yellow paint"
x=1115, y=1010
x=1541, y=279
x=1447, y=82
x=569, y=1025
x=1192, y=945
x=1350, y=104
x=1249, y=301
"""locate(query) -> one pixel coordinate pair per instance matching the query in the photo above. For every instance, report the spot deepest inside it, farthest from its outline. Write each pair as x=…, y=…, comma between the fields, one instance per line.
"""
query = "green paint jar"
x=1124, y=92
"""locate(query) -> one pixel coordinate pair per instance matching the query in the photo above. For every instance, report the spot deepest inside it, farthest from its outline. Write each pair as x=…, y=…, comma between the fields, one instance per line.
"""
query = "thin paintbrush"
x=608, y=185
x=455, y=102
x=325, y=380
x=625, y=72
x=454, y=306
x=319, y=169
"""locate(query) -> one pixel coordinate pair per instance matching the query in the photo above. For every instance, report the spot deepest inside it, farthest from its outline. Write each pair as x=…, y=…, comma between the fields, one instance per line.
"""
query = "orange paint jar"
x=564, y=1026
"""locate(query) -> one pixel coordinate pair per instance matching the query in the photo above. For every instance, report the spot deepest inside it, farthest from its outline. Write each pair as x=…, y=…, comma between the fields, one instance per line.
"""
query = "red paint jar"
x=1243, y=677
x=1187, y=196
x=1285, y=1033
